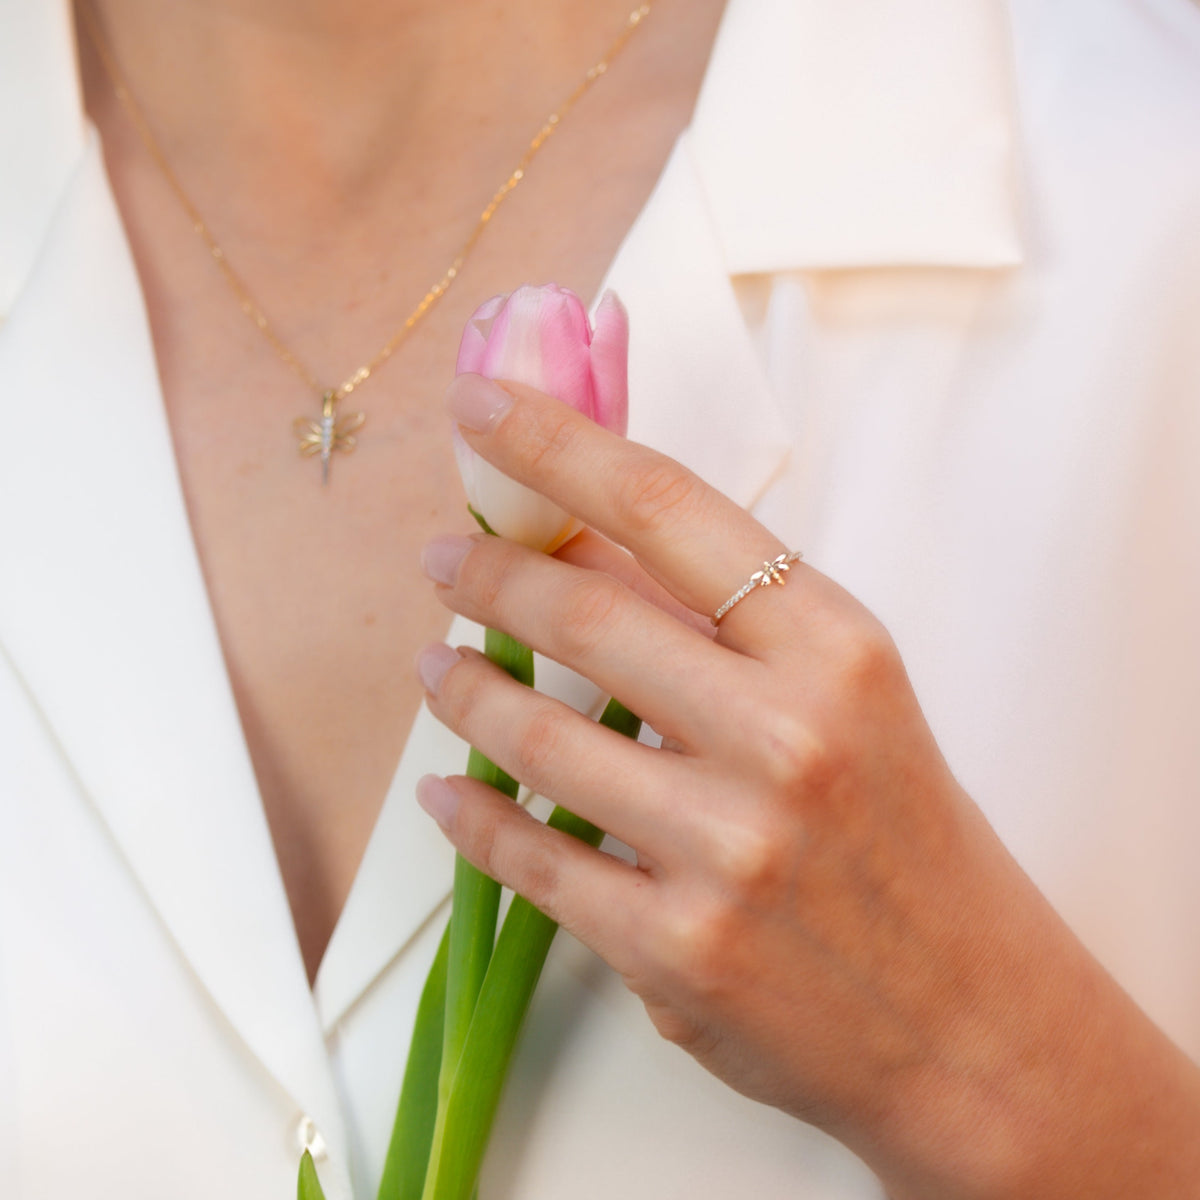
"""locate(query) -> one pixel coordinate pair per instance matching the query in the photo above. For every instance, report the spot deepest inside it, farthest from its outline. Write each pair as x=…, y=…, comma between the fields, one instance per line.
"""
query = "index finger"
x=696, y=542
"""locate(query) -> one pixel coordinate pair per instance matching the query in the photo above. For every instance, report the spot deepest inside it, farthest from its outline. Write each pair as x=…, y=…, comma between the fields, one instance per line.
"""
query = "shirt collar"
x=860, y=133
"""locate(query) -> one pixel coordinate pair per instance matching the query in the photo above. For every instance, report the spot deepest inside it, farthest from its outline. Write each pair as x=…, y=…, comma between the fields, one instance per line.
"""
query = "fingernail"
x=433, y=662
x=437, y=798
x=441, y=557
x=477, y=403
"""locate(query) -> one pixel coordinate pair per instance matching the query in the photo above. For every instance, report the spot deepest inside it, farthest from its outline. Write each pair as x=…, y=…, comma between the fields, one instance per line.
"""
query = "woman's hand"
x=818, y=912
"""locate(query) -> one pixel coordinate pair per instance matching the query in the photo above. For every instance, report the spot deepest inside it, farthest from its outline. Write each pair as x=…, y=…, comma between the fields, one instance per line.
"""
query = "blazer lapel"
x=40, y=150
x=104, y=613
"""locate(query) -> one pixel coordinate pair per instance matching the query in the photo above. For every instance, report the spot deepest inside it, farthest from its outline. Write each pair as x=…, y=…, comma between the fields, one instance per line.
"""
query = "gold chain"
x=332, y=432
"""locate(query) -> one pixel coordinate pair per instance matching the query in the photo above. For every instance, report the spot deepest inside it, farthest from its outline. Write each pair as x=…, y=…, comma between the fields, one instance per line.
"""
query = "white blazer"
x=987, y=429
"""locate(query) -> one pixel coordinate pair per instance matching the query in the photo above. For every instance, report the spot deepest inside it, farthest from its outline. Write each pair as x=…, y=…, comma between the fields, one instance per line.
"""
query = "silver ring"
x=774, y=571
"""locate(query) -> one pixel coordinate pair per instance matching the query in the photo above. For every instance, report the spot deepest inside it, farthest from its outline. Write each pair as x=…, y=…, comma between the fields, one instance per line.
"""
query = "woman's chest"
x=315, y=585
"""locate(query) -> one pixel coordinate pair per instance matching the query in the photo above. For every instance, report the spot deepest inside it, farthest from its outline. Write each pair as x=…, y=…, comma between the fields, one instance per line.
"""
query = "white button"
x=308, y=1137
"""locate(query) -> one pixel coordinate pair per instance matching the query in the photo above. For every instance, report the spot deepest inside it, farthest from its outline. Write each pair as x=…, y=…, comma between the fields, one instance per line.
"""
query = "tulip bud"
x=540, y=336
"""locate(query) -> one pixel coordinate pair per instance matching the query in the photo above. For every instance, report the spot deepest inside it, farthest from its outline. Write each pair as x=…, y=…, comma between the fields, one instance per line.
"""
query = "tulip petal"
x=540, y=338
x=566, y=354
x=466, y=459
x=610, y=364
x=516, y=512
x=475, y=336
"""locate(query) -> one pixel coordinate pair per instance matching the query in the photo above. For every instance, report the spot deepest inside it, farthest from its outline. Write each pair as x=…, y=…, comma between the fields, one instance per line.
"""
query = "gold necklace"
x=333, y=432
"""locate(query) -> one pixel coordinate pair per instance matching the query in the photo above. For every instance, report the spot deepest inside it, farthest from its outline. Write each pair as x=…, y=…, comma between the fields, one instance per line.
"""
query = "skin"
x=341, y=154
x=818, y=913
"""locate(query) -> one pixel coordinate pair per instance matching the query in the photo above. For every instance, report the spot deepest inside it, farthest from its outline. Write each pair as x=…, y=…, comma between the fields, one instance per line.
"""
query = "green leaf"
x=308, y=1186
x=412, y=1131
x=512, y=976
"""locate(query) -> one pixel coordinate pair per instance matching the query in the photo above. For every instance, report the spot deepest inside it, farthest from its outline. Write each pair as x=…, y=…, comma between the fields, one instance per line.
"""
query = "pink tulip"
x=539, y=336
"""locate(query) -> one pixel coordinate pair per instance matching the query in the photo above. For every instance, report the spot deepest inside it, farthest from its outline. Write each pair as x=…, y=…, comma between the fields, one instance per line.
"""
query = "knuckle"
x=539, y=881
x=588, y=611
x=866, y=657
x=657, y=494
x=791, y=753
x=539, y=744
x=492, y=568
x=459, y=692
x=501, y=840
x=478, y=837
x=752, y=861
x=490, y=837
x=531, y=866
x=682, y=1030
x=549, y=441
x=699, y=942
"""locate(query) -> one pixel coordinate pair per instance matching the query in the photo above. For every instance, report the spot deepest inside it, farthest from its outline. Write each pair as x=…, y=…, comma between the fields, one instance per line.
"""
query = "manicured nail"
x=477, y=403
x=441, y=557
x=433, y=662
x=437, y=798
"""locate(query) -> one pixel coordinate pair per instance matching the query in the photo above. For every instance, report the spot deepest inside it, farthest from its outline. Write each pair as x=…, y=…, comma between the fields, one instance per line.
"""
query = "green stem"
x=465, y=1120
x=308, y=1186
x=412, y=1131
x=476, y=901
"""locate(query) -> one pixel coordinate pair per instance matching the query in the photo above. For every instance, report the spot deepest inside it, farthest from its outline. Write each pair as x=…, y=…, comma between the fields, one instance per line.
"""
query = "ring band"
x=774, y=571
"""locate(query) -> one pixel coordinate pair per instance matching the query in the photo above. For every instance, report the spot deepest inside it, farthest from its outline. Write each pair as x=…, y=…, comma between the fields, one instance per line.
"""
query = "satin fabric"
x=919, y=286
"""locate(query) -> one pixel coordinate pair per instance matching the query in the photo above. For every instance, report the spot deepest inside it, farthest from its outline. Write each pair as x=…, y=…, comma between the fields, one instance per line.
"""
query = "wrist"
x=1062, y=1089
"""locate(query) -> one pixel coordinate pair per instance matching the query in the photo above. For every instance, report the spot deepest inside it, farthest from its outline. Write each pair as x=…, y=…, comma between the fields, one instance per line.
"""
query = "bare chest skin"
x=317, y=593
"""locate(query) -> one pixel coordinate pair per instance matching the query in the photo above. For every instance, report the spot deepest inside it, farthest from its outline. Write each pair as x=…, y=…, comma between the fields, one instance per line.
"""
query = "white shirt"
x=921, y=285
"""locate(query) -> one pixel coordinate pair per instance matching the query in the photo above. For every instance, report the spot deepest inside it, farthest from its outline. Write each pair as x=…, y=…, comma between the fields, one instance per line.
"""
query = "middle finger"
x=664, y=671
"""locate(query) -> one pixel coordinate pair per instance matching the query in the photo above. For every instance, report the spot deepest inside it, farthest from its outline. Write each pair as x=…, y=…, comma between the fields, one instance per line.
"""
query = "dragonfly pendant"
x=328, y=434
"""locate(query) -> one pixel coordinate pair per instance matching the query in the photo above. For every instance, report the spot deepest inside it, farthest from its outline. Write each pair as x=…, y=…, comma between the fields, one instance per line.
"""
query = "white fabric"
x=989, y=431
x=42, y=132
x=860, y=134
